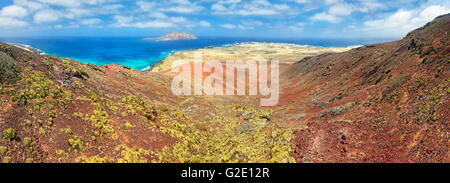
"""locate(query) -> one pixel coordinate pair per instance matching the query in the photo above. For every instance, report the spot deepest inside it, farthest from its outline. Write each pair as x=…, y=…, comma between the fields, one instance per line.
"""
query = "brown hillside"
x=378, y=103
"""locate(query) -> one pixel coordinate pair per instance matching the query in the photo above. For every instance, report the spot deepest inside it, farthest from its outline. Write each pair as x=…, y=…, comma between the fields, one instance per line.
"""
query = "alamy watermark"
x=229, y=78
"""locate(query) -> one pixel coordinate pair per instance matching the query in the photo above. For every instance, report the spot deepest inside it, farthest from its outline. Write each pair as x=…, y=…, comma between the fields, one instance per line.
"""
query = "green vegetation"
x=127, y=126
x=77, y=85
x=132, y=156
x=7, y=159
x=9, y=71
x=9, y=134
x=96, y=159
x=339, y=109
x=39, y=90
x=76, y=144
x=135, y=104
x=74, y=70
x=29, y=160
x=66, y=131
x=434, y=98
x=389, y=93
x=27, y=141
x=60, y=152
x=3, y=150
x=251, y=138
x=99, y=120
x=28, y=123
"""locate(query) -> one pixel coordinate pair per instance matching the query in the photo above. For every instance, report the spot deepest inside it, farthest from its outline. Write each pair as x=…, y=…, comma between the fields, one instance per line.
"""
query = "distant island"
x=173, y=36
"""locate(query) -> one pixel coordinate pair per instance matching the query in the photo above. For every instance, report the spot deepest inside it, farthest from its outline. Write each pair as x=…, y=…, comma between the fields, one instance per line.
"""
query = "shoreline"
x=167, y=54
x=249, y=50
x=28, y=48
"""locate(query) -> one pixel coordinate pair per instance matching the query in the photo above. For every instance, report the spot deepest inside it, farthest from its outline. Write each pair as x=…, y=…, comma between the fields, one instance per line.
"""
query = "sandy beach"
x=286, y=53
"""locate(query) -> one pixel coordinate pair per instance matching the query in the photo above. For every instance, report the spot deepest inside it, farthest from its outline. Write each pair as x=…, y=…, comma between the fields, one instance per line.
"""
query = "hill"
x=173, y=36
x=377, y=103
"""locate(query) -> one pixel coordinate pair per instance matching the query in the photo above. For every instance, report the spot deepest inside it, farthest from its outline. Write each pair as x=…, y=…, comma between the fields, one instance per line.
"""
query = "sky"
x=225, y=18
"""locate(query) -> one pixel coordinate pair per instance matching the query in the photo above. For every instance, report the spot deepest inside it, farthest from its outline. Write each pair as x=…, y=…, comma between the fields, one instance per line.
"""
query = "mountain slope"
x=379, y=103
x=59, y=110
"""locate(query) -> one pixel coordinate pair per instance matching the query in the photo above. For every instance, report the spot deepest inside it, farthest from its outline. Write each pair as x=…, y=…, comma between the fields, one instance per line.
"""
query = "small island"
x=173, y=36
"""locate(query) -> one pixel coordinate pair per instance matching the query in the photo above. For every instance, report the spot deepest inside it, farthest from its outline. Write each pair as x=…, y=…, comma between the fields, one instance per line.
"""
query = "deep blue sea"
x=140, y=54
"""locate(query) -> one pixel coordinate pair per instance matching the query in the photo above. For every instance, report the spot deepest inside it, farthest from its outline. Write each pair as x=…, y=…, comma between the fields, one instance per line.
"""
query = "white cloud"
x=326, y=17
x=30, y=5
x=341, y=9
x=228, y=26
x=158, y=15
x=146, y=6
x=69, y=26
x=91, y=21
x=204, y=24
x=64, y=3
x=178, y=19
x=46, y=16
x=403, y=21
x=153, y=24
x=180, y=6
x=8, y=22
x=128, y=21
x=338, y=9
x=301, y=1
x=13, y=11
x=244, y=25
x=183, y=9
x=248, y=8
x=296, y=26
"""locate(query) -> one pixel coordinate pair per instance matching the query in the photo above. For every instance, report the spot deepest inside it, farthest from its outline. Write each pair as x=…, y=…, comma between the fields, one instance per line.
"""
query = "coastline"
x=244, y=51
x=28, y=48
x=161, y=59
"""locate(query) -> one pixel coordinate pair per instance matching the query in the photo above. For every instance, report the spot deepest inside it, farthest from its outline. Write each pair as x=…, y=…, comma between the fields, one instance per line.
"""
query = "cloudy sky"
x=233, y=18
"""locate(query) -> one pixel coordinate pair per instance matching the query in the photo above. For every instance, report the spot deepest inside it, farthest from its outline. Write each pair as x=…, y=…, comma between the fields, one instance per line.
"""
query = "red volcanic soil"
x=385, y=102
x=378, y=103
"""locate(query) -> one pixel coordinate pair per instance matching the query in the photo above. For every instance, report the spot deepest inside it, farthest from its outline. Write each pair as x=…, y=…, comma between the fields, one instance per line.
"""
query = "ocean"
x=142, y=54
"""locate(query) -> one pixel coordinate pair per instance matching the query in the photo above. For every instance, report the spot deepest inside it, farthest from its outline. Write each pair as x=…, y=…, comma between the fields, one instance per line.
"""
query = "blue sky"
x=233, y=18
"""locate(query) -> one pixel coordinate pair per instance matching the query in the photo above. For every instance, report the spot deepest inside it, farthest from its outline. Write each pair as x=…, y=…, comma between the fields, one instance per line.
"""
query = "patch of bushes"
x=127, y=126
x=9, y=71
x=27, y=141
x=99, y=120
x=29, y=160
x=251, y=138
x=7, y=159
x=77, y=85
x=132, y=156
x=9, y=134
x=3, y=150
x=39, y=90
x=339, y=109
x=66, y=131
x=75, y=143
x=135, y=104
x=96, y=159
x=60, y=152
x=73, y=70
x=396, y=83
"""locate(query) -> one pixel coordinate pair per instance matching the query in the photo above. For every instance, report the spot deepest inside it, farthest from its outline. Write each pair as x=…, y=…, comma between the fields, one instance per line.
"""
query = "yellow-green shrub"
x=252, y=138
x=132, y=156
x=9, y=134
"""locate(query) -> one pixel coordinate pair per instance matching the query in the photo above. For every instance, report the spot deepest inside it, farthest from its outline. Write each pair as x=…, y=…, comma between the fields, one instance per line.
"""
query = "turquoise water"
x=141, y=54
